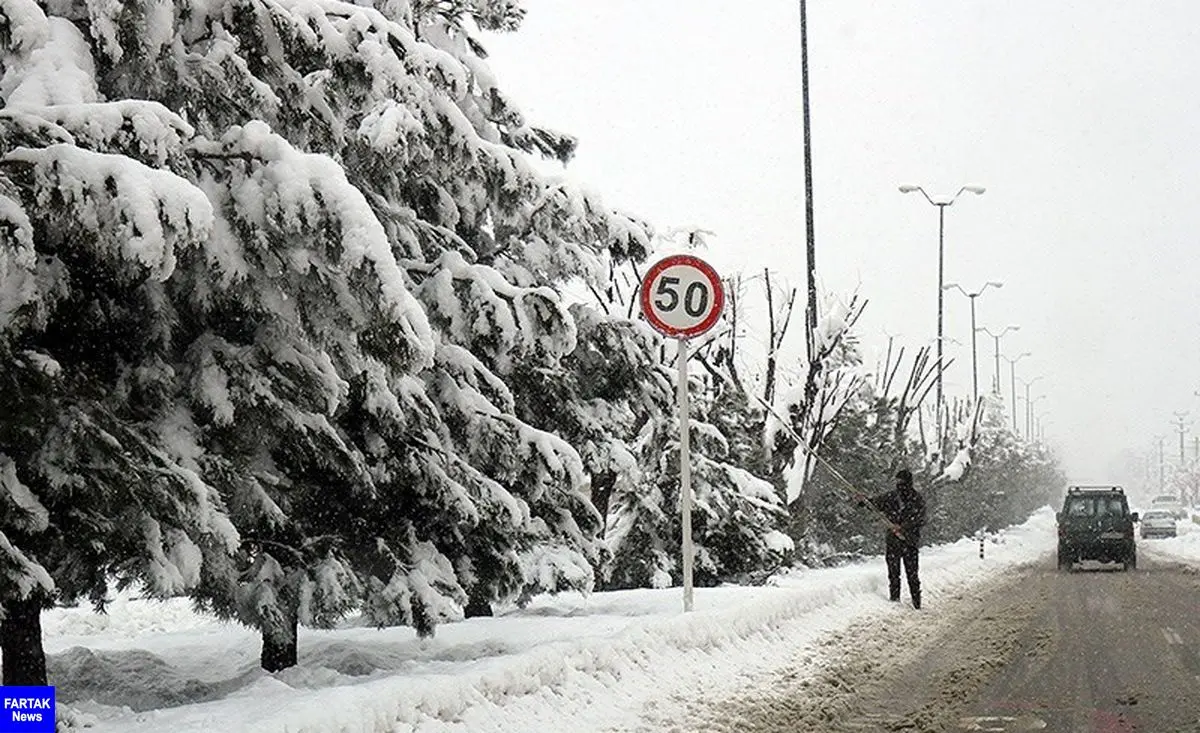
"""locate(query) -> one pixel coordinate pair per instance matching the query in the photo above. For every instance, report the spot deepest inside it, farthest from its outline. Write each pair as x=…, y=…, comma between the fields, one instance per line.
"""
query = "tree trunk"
x=603, y=484
x=24, y=659
x=279, y=648
x=477, y=604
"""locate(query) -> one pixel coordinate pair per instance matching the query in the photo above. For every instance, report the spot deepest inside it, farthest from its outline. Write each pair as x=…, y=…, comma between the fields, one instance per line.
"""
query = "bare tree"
x=921, y=377
x=777, y=327
x=825, y=396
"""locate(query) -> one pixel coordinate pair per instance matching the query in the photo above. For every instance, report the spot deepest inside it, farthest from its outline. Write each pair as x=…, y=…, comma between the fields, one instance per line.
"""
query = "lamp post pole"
x=974, y=351
x=1029, y=416
x=1012, y=376
x=996, y=339
x=1029, y=406
x=941, y=205
x=1039, y=426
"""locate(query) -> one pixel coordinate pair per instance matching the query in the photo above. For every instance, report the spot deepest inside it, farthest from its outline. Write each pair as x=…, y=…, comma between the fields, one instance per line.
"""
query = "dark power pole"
x=1181, y=426
x=1161, y=471
x=810, y=231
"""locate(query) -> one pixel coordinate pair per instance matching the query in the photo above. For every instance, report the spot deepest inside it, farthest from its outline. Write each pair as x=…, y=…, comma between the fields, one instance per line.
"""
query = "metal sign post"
x=685, y=474
x=681, y=297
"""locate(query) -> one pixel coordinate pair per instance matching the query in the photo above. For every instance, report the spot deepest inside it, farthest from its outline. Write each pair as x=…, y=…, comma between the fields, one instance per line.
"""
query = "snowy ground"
x=610, y=661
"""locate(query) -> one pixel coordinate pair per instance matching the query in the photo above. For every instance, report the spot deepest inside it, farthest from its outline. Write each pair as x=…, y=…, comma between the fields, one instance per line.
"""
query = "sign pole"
x=682, y=297
x=685, y=473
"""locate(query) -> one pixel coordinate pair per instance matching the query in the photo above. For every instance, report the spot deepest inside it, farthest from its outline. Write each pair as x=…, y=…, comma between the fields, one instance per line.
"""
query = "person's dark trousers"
x=898, y=551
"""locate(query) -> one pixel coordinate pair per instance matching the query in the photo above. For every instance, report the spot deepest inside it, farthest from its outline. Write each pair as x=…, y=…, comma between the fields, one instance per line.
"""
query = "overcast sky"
x=1082, y=120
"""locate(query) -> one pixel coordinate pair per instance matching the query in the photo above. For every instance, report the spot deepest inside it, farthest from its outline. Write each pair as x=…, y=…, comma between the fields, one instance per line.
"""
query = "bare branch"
x=788, y=309
x=599, y=299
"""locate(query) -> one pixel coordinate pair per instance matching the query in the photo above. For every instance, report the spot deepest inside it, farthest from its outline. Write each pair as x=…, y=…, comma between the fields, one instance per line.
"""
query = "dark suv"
x=1095, y=524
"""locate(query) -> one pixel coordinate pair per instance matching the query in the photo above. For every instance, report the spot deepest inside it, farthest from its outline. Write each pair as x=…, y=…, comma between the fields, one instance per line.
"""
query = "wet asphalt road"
x=1103, y=652
x=1093, y=651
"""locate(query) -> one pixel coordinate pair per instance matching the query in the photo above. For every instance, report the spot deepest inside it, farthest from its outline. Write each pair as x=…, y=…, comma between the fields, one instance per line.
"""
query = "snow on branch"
x=477, y=306
x=139, y=212
x=16, y=569
x=299, y=192
x=24, y=23
x=18, y=261
x=52, y=63
x=33, y=515
x=389, y=50
x=134, y=126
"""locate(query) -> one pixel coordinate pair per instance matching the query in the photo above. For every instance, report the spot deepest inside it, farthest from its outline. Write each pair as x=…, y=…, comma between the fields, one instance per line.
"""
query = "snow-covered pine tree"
x=736, y=517
x=360, y=475
x=300, y=330
x=605, y=388
x=531, y=236
x=92, y=224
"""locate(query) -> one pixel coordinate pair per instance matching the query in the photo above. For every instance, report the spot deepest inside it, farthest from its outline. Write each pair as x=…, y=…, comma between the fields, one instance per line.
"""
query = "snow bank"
x=599, y=662
x=1183, y=548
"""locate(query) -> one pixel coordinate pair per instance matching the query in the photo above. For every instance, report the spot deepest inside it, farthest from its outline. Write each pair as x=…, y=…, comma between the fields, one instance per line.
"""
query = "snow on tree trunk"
x=21, y=653
x=279, y=645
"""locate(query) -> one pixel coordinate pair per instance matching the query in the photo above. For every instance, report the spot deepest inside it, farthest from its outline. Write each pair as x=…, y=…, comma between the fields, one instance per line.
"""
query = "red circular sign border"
x=705, y=269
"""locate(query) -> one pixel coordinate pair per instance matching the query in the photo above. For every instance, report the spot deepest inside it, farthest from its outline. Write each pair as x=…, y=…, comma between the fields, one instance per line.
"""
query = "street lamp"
x=974, y=351
x=1039, y=425
x=996, y=337
x=1012, y=376
x=1029, y=404
x=941, y=203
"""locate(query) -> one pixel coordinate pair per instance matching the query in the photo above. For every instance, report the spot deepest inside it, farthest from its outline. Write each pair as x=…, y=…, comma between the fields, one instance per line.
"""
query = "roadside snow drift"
x=600, y=662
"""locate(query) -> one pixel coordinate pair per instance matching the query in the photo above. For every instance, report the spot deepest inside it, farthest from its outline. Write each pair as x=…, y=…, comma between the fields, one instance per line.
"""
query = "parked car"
x=1158, y=523
x=1170, y=503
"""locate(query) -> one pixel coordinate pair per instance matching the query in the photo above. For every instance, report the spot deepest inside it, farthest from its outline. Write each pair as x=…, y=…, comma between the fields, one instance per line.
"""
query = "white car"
x=1157, y=523
x=1170, y=503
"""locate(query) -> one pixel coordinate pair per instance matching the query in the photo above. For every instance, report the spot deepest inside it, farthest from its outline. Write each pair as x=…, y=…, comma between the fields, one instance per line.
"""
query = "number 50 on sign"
x=682, y=296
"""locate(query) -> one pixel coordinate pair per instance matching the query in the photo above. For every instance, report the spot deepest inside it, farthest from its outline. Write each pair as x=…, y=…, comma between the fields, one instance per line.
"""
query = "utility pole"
x=1181, y=426
x=810, y=231
x=1161, y=483
x=1029, y=406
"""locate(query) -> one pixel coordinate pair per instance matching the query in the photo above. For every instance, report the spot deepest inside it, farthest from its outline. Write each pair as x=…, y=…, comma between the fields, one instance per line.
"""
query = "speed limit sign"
x=682, y=296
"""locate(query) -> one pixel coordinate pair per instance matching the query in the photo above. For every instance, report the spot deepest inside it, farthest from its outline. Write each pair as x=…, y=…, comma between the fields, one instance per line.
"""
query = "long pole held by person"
x=682, y=297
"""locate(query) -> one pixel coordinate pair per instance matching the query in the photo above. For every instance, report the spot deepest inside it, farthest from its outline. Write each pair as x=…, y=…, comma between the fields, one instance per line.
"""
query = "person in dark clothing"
x=905, y=511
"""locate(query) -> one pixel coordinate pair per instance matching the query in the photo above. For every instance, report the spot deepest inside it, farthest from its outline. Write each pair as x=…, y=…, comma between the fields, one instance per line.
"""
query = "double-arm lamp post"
x=974, y=351
x=1012, y=375
x=996, y=339
x=1029, y=404
x=941, y=202
x=1039, y=426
